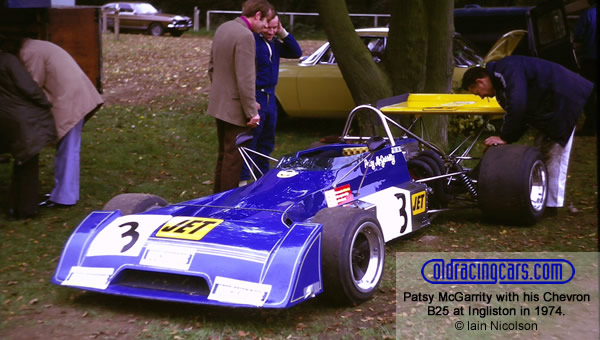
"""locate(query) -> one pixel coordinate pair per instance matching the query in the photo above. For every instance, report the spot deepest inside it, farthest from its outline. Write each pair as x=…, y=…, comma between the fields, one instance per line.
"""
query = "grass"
x=166, y=146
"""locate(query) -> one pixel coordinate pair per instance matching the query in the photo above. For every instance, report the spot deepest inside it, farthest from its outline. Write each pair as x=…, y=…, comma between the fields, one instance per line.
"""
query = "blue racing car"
x=316, y=223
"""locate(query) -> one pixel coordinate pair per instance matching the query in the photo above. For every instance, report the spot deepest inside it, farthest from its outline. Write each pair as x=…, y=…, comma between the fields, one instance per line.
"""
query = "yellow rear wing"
x=436, y=104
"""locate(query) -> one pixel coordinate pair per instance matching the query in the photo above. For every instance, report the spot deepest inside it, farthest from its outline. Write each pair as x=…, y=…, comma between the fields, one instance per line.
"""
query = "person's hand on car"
x=494, y=140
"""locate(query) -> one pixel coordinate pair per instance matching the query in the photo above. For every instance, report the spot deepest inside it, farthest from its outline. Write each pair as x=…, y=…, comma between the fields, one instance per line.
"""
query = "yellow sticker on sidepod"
x=418, y=203
x=188, y=228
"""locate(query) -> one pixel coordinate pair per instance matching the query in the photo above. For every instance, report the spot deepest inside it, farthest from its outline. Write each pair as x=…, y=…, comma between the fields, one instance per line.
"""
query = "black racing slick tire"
x=353, y=254
x=419, y=168
x=436, y=158
x=513, y=184
x=422, y=167
x=135, y=203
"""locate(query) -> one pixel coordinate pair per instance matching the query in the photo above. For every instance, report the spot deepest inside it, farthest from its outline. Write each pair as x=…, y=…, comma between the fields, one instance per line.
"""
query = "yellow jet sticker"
x=188, y=228
x=418, y=203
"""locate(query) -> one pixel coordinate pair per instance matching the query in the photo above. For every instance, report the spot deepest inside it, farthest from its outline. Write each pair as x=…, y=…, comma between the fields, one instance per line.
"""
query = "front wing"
x=106, y=254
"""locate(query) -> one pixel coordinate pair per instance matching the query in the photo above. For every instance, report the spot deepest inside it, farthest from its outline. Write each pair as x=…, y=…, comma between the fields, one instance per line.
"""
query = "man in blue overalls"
x=268, y=51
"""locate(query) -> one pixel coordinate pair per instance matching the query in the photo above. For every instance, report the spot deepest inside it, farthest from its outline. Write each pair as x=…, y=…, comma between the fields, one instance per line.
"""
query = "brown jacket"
x=232, y=72
x=68, y=88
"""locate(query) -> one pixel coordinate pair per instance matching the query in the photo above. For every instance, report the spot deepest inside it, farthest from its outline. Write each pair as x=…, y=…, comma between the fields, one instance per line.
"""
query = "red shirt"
x=247, y=22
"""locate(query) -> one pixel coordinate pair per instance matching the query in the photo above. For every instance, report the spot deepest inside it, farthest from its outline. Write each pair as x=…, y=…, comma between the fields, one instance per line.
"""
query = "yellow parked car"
x=315, y=88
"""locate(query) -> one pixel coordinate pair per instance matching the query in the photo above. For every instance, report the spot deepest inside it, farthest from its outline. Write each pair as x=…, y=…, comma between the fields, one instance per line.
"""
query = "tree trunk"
x=418, y=56
x=365, y=79
x=440, y=63
x=406, y=51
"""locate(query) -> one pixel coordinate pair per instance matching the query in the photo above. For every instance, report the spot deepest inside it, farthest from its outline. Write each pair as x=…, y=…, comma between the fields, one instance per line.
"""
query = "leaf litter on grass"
x=146, y=76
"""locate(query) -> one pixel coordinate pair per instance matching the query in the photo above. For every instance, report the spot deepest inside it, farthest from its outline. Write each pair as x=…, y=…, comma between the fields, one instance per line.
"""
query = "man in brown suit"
x=232, y=98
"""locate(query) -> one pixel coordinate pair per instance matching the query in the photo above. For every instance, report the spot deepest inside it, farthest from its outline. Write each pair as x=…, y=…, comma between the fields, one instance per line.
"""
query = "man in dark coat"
x=26, y=126
x=540, y=94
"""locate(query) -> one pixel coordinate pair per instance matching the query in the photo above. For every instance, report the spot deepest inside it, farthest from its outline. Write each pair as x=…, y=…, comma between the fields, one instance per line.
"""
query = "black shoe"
x=50, y=204
x=551, y=212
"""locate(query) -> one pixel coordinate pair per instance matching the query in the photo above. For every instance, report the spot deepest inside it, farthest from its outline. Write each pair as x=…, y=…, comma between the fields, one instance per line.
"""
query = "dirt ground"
x=154, y=75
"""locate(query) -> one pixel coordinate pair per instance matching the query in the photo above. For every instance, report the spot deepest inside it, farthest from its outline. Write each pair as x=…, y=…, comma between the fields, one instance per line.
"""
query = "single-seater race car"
x=317, y=222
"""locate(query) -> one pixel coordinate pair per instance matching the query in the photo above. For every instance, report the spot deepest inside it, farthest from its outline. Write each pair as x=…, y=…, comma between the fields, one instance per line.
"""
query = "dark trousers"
x=264, y=134
x=229, y=161
x=588, y=71
x=23, y=196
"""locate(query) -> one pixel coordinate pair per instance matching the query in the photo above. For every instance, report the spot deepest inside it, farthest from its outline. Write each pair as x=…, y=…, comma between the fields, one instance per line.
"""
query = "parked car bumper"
x=180, y=26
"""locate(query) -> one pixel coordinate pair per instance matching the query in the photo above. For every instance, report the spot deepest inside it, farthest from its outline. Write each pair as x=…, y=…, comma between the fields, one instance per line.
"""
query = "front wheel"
x=353, y=254
x=513, y=184
x=133, y=203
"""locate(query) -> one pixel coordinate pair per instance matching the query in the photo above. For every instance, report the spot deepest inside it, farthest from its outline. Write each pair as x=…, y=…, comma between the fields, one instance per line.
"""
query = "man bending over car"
x=540, y=94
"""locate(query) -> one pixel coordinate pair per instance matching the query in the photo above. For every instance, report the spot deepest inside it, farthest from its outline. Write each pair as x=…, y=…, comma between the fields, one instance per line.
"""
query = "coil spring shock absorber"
x=469, y=184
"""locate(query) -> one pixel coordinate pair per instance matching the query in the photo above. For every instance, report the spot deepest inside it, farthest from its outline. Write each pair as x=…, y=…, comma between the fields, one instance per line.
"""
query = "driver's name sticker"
x=126, y=235
x=380, y=161
x=188, y=228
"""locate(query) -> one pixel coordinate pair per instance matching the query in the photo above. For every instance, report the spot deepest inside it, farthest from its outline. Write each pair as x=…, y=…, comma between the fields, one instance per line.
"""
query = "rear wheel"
x=353, y=254
x=135, y=203
x=513, y=184
x=427, y=165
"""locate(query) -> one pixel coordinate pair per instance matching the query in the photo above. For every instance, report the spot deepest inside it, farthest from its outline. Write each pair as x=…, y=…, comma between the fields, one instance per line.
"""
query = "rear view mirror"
x=243, y=138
